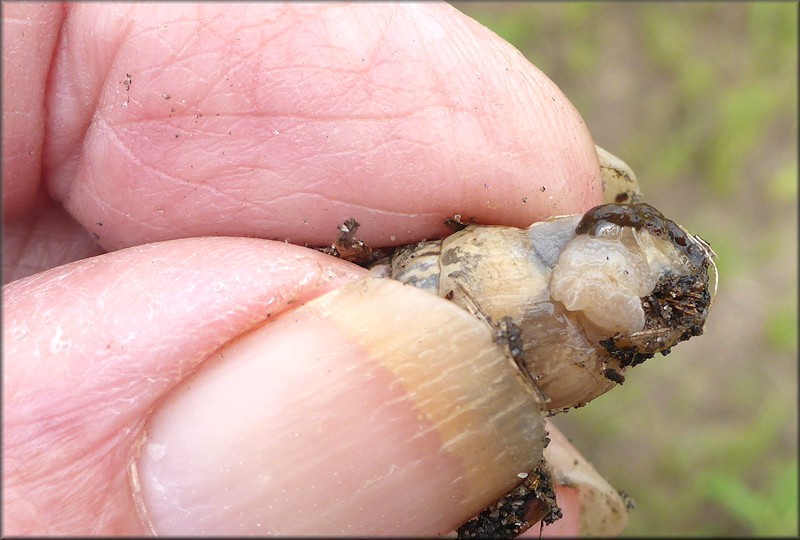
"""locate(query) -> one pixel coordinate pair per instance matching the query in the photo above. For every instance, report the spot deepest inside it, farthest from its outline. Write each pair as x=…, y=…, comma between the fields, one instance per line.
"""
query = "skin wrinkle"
x=221, y=88
x=58, y=432
x=227, y=170
x=336, y=60
x=310, y=28
x=368, y=210
x=23, y=240
x=241, y=59
x=24, y=247
x=511, y=55
x=66, y=407
x=529, y=91
x=231, y=49
x=104, y=204
x=208, y=188
x=300, y=121
x=80, y=486
x=104, y=82
x=319, y=180
x=177, y=55
x=28, y=46
x=331, y=154
x=233, y=53
x=161, y=39
x=92, y=92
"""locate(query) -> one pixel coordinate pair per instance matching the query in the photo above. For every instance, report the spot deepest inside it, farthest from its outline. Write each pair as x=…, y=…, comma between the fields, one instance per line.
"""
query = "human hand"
x=201, y=367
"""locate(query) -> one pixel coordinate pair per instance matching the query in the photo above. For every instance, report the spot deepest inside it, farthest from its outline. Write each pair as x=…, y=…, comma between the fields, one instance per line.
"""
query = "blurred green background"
x=701, y=100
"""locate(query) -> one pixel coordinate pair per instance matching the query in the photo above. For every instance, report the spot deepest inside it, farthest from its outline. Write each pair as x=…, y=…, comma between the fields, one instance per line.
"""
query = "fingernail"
x=374, y=409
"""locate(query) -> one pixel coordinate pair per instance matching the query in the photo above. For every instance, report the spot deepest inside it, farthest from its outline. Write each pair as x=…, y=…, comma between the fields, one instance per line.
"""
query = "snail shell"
x=591, y=295
x=619, y=181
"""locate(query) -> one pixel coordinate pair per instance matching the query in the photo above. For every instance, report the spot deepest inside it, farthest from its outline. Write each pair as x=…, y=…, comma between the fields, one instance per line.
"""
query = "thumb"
x=376, y=409
x=91, y=347
x=173, y=388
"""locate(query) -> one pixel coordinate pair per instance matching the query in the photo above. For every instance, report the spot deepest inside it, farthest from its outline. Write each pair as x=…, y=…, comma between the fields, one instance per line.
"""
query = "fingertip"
x=91, y=347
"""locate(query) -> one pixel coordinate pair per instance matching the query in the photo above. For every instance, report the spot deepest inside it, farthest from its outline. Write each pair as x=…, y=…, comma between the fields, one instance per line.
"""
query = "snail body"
x=591, y=295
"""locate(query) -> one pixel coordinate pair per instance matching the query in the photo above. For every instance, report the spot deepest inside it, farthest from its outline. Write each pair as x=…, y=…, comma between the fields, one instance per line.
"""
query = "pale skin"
x=126, y=126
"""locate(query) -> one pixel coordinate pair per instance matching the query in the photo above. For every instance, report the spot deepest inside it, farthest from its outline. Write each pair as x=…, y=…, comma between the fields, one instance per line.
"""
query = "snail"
x=589, y=295
x=576, y=299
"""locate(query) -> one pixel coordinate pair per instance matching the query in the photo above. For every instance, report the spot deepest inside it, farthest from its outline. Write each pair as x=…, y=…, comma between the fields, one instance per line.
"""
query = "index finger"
x=282, y=121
